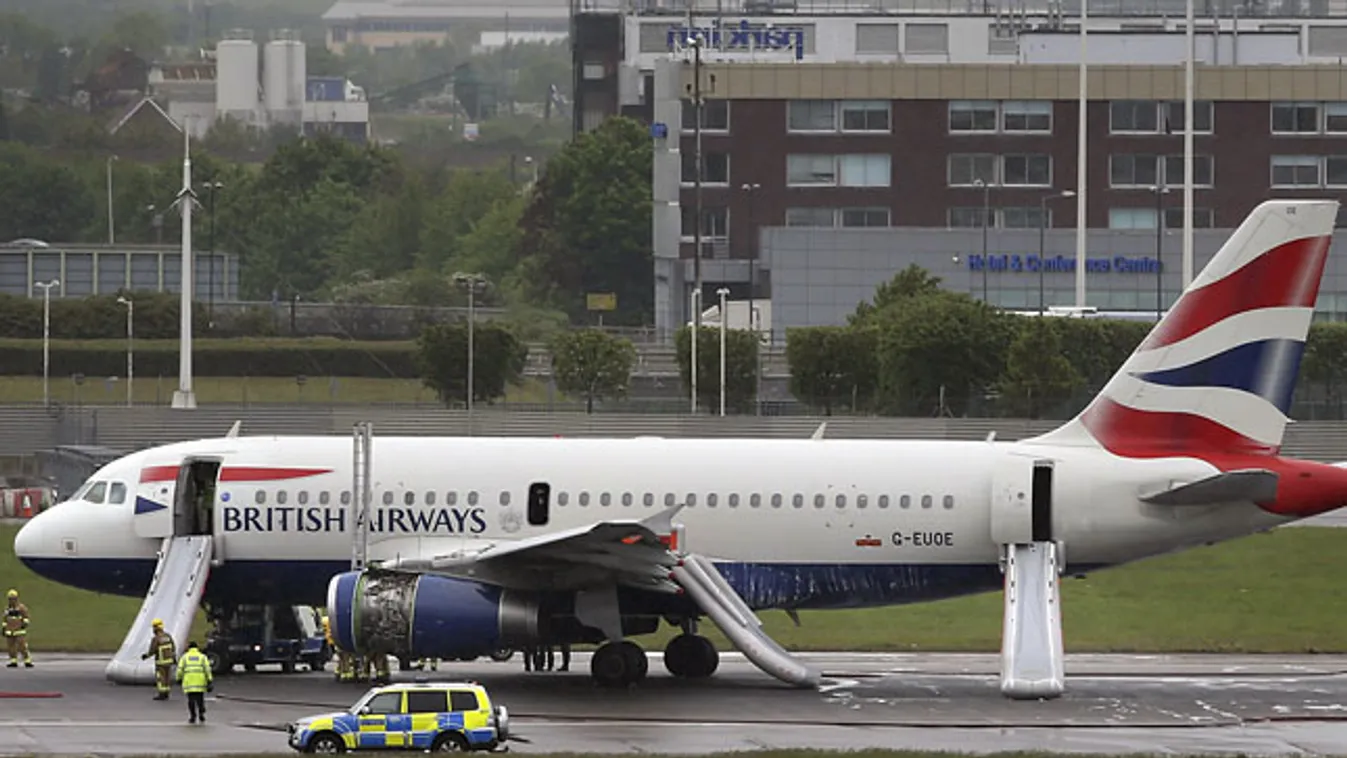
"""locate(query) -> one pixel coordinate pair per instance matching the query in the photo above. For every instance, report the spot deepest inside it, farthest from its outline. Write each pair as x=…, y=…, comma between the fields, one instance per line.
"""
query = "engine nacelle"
x=427, y=616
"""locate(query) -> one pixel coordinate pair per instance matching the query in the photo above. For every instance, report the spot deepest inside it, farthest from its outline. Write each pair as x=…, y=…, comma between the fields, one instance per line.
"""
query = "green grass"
x=1280, y=592
x=270, y=389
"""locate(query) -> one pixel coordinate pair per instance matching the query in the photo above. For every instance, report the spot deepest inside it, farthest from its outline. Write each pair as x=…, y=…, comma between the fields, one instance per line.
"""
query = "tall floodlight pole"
x=210, y=279
x=1188, y=148
x=754, y=321
x=698, y=210
x=1042, y=234
x=184, y=397
x=46, y=337
x=695, y=304
x=1160, y=191
x=112, y=232
x=130, y=346
x=986, y=210
x=1082, y=221
x=722, y=292
x=475, y=284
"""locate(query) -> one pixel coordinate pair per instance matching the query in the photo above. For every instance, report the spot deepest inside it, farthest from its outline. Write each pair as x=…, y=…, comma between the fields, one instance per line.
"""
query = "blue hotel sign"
x=741, y=37
x=1119, y=264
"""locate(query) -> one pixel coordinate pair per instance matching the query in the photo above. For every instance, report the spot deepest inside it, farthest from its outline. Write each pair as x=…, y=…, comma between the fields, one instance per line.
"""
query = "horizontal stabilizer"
x=1256, y=485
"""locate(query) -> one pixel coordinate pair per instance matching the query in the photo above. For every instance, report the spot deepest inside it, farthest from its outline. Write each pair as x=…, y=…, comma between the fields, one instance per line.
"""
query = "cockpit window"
x=117, y=495
x=79, y=493
x=97, y=492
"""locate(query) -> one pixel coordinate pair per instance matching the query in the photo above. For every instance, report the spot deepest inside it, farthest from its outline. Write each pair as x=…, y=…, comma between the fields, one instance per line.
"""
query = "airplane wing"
x=631, y=553
x=1257, y=485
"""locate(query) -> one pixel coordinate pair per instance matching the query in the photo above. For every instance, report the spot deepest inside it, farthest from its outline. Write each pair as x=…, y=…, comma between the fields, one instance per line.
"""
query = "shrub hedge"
x=235, y=357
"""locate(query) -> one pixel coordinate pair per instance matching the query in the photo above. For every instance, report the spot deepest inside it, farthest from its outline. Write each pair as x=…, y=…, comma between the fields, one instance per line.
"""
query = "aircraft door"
x=176, y=501
x=1021, y=503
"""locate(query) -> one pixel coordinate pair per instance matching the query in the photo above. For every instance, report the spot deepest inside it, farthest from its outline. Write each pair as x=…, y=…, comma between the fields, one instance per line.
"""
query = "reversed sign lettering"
x=278, y=518
x=1119, y=264
x=743, y=37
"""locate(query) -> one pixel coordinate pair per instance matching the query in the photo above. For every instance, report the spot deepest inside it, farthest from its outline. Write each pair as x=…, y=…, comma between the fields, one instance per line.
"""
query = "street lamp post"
x=130, y=346
x=722, y=292
x=754, y=321
x=1160, y=192
x=210, y=306
x=986, y=211
x=698, y=210
x=46, y=337
x=112, y=233
x=1042, y=235
x=695, y=303
x=474, y=284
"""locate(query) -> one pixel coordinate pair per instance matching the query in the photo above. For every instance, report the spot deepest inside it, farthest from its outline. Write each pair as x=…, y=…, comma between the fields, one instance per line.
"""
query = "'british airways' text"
x=382, y=520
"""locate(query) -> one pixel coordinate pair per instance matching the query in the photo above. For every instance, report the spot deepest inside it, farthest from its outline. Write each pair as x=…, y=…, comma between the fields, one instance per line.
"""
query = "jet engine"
x=427, y=616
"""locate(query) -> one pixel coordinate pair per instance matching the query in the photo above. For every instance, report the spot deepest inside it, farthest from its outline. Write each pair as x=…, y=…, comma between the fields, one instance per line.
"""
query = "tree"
x=589, y=222
x=936, y=351
x=41, y=198
x=832, y=366
x=593, y=364
x=741, y=366
x=466, y=199
x=1037, y=375
x=913, y=281
x=1325, y=362
x=442, y=355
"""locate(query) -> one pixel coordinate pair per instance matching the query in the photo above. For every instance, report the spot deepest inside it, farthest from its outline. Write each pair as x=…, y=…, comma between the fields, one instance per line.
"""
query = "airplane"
x=473, y=543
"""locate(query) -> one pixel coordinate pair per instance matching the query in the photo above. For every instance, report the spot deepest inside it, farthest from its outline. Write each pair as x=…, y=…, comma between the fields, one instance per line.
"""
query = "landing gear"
x=617, y=664
x=691, y=656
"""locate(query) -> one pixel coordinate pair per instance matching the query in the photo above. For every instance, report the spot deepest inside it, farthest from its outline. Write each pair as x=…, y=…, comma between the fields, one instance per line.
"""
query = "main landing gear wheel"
x=692, y=656
x=617, y=664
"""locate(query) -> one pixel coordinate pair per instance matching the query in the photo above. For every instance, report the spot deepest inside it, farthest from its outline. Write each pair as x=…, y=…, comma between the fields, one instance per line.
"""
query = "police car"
x=439, y=716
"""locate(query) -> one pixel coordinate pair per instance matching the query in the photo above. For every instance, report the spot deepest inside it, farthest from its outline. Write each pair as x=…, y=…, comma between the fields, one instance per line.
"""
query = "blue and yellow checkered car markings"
x=403, y=730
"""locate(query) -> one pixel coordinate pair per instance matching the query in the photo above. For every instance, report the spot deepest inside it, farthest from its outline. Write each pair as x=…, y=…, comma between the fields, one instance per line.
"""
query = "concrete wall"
x=31, y=429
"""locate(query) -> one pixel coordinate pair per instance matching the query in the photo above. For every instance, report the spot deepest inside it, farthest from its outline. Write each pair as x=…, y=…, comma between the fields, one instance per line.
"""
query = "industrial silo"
x=236, y=76
x=284, y=73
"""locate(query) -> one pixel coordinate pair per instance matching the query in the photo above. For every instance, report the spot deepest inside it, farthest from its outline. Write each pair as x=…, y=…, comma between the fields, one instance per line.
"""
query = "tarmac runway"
x=1256, y=705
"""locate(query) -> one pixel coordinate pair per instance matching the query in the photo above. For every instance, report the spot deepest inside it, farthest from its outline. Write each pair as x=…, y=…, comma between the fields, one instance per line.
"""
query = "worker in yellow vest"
x=194, y=674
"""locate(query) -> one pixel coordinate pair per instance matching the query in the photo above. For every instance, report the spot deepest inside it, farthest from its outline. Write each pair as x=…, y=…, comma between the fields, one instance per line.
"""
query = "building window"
x=1202, y=218
x=1335, y=118
x=1202, y=119
x=715, y=116
x=811, y=170
x=865, y=115
x=1026, y=116
x=1295, y=118
x=811, y=217
x=967, y=168
x=1131, y=218
x=811, y=116
x=715, y=222
x=1128, y=170
x=1201, y=171
x=1133, y=116
x=865, y=217
x=1026, y=170
x=1029, y=217
x=715, y=167
x=1335, y=171
x=1295, y=171
x=972, y=115
x=865, y=170
x=970, y=218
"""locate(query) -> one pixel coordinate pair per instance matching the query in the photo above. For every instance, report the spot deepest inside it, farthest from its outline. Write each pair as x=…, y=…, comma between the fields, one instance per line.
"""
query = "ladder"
x=361, y=493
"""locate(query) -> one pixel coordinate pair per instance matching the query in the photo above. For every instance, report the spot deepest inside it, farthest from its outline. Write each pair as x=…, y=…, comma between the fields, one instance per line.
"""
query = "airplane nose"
x=30, y=542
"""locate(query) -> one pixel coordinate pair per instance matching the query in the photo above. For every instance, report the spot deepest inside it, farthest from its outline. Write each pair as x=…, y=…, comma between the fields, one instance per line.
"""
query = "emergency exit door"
x=194, y=497
x=1021, y=503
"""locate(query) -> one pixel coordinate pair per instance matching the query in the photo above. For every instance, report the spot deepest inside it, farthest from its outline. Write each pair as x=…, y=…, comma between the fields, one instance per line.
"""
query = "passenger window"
x=324, y=497
x=668, y=499
x=819, y=501
x=584, y=498
x=539, y=493
x=345, y=497
x=711, y=500
x=949, y=502
x=776, y=500
x=261, y=497
x=472, y=498
x=388, y=497
x=280, y=497
x=118, y=494
x=563, y=498
x=648, y=499
x=504, y=498
x=605, y=499
x=460, y=700
x=797, y=500
x=97, y=493
x=429, y=701
x=302, y=497
x=883, y=501
x=692, y=499
x=409, y=498
x=861, y=501
x=841, y=501
x=755, y=500
x=905, y=501
x=430, y=497
x=450, y=498
x=385, y=704
x=734, y=500
x=626, y=499
x=925, y=501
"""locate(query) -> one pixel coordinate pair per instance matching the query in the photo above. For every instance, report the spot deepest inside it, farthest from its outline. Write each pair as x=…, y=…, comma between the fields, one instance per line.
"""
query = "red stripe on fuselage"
x=1287, y=275
x=235, y=473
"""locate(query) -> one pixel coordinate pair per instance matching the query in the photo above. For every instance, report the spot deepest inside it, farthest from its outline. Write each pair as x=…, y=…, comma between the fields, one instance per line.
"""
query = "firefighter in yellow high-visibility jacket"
x=16, y=630
x=164, y=652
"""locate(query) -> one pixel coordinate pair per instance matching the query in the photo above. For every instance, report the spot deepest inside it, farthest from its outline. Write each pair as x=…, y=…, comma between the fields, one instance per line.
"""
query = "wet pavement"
x=1264, y=705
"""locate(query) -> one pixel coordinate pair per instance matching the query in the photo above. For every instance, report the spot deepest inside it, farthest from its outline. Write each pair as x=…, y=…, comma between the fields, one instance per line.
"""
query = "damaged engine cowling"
x=427, y=616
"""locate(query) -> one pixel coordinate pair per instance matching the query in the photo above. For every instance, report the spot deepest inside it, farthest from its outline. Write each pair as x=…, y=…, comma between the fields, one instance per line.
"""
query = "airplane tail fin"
x=1216, y=374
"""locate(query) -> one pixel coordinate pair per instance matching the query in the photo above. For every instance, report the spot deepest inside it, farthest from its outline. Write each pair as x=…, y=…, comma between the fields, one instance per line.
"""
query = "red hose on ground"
x=17, y=695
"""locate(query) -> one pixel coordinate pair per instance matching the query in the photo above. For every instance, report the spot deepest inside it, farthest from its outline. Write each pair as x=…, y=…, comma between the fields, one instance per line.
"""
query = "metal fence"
x=31, y=429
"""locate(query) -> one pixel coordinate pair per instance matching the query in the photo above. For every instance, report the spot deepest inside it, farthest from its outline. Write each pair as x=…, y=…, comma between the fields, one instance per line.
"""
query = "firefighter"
x=195, y=676
x=165, y=653
x=343, y=672
x=16, y=631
